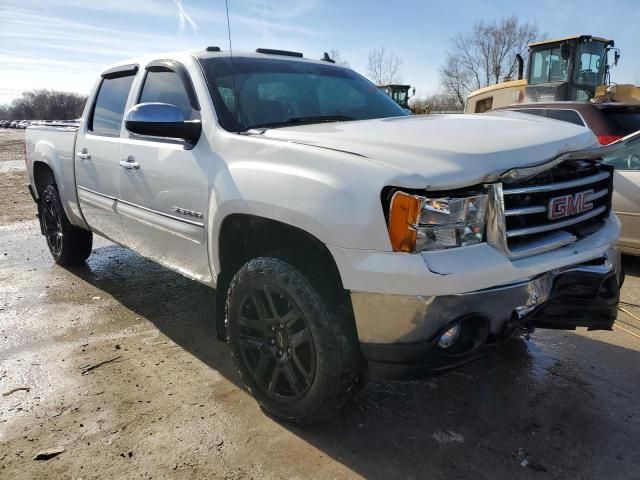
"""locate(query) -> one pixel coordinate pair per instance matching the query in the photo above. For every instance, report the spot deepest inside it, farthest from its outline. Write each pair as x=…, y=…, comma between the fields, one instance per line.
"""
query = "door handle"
x=130, y=163
x=84, y=155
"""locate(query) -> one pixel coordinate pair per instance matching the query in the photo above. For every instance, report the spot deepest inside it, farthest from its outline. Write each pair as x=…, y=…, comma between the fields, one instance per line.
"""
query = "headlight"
x=422, y=223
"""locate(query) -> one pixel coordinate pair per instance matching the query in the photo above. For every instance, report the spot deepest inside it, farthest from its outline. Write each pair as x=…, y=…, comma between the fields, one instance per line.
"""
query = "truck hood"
x=445, y=151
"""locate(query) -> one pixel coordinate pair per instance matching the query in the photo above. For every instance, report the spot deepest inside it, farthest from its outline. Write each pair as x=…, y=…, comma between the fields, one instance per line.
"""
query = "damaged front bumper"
x=399, y=334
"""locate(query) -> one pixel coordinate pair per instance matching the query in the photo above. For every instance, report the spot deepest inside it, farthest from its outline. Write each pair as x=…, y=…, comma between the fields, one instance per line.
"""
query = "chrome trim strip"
x=525, y=210
x=549, y=242
x=559, y=186
x=162, y=214
x=496, y=221
x=96, y=193
x=555, y=226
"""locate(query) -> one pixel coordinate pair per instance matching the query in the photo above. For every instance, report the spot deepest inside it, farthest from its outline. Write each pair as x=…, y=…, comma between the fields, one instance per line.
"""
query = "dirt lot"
x=168, y=404
x=15, y=201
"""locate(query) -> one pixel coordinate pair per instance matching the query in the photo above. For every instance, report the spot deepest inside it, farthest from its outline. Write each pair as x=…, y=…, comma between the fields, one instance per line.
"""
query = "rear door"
x=97, y=153
x=164, y=197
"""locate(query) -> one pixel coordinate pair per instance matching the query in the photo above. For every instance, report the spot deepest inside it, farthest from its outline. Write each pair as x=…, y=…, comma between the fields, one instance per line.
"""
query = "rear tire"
x=297, y=355
x=69, y=245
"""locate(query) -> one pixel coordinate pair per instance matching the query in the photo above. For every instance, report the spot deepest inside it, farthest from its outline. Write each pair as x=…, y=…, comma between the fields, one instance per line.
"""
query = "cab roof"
x=574, y=37
x=216, y=52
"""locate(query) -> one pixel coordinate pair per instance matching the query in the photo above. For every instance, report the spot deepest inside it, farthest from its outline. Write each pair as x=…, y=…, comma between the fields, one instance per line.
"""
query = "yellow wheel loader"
x=567, y=69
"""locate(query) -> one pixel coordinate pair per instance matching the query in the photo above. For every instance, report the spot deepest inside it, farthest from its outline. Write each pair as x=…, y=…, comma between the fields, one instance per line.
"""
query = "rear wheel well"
x=243, y=237
x=42, y=176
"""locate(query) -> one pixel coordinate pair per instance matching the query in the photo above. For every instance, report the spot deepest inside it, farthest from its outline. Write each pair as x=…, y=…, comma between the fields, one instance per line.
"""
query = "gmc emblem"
x=567, y=205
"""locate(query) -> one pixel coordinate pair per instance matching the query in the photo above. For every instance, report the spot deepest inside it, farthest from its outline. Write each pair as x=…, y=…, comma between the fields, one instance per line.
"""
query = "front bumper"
x=399, y=334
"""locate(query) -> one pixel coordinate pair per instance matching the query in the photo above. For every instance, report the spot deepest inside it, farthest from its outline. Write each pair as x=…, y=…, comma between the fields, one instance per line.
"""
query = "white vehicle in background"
x=342, y=236
x=626, y=194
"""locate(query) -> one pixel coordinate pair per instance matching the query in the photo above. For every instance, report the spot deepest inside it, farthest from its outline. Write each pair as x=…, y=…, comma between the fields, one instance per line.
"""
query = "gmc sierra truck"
x=344, y=238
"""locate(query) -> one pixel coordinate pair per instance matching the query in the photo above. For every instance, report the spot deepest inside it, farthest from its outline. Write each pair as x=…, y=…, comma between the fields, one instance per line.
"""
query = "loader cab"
x=398, y=93
x=567, y=69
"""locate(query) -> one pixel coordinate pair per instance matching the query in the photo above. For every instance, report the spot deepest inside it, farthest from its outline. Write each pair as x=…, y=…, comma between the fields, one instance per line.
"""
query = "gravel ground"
x=167, y=402
x=15, y=201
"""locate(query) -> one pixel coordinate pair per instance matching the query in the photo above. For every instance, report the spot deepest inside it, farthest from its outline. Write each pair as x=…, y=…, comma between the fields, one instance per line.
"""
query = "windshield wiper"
x=303, y=121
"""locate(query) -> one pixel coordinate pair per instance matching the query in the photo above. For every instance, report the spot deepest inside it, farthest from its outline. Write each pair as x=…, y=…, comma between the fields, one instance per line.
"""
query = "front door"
x=626, y=193
x=163, y=198
x=97, y=154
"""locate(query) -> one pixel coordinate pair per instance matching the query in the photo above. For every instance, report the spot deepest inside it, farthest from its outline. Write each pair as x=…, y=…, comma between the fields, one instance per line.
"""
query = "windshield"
x=279, y=92
x=590, y=63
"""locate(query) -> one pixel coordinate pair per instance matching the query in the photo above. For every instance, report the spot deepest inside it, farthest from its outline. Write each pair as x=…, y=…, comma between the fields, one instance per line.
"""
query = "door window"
x=626, y=159
x=106, y=118
x=167, y=87
x=548, y=66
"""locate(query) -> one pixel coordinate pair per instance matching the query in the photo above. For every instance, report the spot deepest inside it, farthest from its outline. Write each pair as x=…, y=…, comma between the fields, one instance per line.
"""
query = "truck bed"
x=54, y=146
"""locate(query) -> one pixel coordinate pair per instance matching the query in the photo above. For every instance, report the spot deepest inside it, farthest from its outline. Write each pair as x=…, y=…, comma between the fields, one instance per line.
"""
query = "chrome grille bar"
x=525, y=210
x=598, y=194
x=558, y=186
x=541, y=208
x=556, y=225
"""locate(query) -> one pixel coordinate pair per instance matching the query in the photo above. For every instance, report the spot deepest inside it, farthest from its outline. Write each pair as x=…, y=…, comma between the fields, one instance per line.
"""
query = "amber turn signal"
x=404, y=214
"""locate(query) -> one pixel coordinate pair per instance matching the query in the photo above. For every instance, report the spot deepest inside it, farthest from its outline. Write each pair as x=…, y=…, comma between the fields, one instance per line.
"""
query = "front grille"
x=557, y=207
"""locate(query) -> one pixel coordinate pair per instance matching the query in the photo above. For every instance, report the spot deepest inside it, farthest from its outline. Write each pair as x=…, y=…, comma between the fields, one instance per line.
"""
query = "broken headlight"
x=419, y=223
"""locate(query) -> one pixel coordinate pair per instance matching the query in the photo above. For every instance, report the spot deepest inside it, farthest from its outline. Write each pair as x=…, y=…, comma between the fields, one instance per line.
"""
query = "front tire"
x=298, y=356
x=69, y=245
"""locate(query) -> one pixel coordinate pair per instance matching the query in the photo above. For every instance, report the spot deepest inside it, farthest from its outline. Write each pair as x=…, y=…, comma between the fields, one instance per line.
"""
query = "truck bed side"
x=54, y=147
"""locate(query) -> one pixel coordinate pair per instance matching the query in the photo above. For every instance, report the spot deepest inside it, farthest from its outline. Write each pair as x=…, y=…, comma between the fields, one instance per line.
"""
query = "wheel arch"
x=245, y=236
x=42, y=176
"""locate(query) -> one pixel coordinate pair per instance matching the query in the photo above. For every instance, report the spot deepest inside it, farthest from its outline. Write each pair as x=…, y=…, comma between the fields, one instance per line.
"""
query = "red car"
x=609, y=121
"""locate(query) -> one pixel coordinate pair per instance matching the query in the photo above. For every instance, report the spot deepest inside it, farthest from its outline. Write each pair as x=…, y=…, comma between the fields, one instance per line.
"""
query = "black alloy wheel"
x=68, y=244
x=52, y=226
x=294, y=342
x=276, y=343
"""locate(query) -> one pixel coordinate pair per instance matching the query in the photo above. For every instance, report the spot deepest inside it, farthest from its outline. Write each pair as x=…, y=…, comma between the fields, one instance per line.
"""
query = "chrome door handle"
x=130, y=163
x=83, y=155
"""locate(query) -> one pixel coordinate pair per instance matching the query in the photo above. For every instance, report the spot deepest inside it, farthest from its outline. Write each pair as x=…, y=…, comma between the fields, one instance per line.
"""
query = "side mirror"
x=161, y=120
x=565, y=50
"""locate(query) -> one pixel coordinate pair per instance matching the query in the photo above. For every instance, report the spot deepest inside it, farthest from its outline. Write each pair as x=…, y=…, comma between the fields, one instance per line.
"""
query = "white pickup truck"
x=343, y=237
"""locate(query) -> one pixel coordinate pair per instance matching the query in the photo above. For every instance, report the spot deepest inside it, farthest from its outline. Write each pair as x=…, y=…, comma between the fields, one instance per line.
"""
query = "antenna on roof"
x=327, y=58
x=233, y=70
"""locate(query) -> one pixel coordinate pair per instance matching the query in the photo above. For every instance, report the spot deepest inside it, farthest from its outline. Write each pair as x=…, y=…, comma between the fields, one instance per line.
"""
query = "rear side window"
x=570, y=116
x=533, y=111
x=625, y=122
x=167, y=87
x=108, y=110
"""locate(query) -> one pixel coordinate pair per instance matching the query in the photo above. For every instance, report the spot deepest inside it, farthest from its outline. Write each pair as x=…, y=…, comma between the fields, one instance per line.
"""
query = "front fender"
x=337, y=208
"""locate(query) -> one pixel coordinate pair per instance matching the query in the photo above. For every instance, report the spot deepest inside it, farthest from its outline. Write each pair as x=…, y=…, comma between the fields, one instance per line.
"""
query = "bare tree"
x=486, y=55
x=455, y=80
x=384, y=67
x=335, y=55
x=441, y=102
x=45, y=105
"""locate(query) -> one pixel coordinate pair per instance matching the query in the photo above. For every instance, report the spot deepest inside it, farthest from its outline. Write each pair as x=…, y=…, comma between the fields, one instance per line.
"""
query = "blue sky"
x=62, y=44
